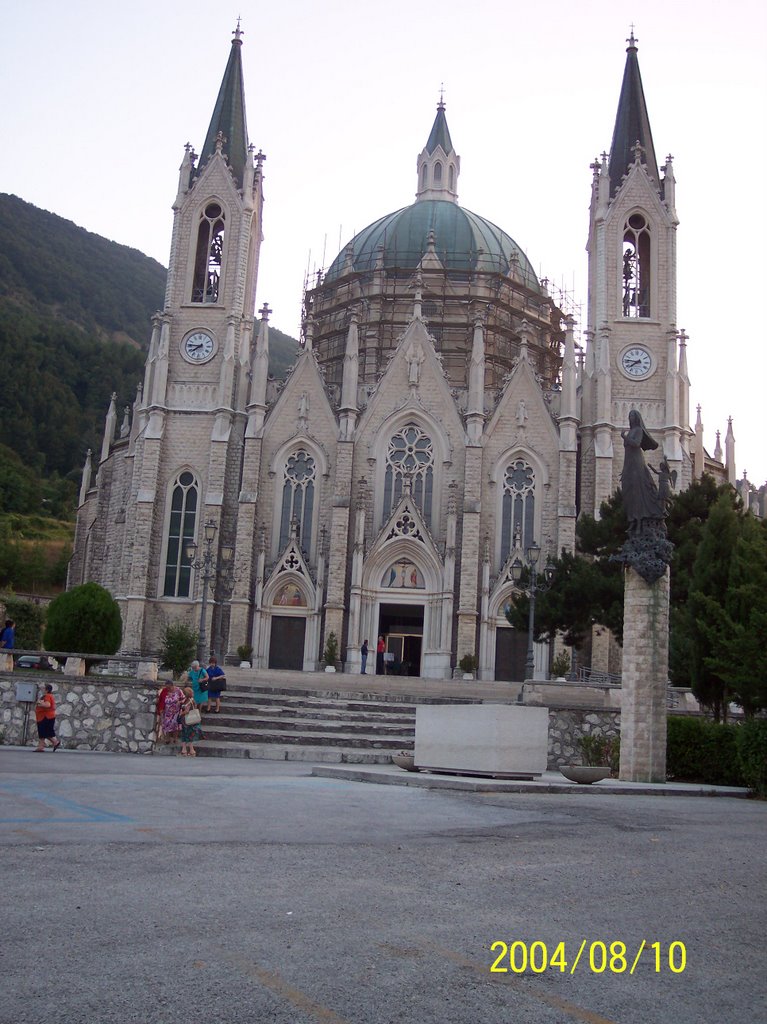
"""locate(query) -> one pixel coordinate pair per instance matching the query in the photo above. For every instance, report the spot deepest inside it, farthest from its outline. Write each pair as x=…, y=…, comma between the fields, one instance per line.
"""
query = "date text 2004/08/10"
x=613, y=957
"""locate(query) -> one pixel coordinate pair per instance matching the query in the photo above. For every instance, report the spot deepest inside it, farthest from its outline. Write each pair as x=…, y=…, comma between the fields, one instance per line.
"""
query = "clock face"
x=198, y=347
x=636, y=362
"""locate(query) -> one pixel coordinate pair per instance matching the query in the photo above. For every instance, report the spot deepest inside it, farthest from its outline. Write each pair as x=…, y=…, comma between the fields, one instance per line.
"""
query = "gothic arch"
x=208, y=245
x=531, y=527
x=277, y=472
x=638, y=265
x=181, y=524
x=392, y=426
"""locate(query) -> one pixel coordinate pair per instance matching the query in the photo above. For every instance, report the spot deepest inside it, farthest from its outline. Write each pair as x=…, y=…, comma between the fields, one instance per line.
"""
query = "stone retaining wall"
x=91, y=713
x=567, y=725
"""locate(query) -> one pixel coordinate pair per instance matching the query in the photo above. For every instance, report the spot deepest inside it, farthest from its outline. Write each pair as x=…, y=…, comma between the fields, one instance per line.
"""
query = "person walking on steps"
x=216, y=685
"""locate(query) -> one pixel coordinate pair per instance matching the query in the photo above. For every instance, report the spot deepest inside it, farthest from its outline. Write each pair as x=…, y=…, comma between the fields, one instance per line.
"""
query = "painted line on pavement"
x=578, y=1013
x=277, y=984
x=85, y=815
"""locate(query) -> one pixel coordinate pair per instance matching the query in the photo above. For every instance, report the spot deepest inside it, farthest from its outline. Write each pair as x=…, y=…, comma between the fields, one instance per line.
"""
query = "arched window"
x=210, y=250
x=451, y=178
x=424, y=171
x=518, y=507
x=410, y=455
x=181, y=529
x=636, y=267
x=298, y=489
x=438, y=173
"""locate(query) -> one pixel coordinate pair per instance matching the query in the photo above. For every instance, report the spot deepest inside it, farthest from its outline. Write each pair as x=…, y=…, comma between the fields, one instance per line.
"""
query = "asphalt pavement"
x=164, y=890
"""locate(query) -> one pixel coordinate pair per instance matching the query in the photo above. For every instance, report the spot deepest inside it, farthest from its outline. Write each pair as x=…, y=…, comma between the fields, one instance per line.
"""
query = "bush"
x=752, y=754
x=331, y=649
x=468, y=664
x=244, y=652
x=179, y=648
x=560, y=666
x=699, y=750
x=29, y=618
x=601, y=750
x=85, y=619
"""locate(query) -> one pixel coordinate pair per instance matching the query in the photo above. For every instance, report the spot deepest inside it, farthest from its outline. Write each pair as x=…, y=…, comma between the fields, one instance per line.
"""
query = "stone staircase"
x=331, y=719
x=301, y=725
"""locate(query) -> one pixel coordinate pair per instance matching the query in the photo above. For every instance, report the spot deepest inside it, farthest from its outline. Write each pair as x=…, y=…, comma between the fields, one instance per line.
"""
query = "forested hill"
x=75, y=314
x=52, y=267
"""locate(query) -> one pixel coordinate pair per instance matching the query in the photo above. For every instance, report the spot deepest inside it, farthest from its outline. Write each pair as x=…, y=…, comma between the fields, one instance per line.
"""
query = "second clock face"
x=198, y=347
x=636, y=362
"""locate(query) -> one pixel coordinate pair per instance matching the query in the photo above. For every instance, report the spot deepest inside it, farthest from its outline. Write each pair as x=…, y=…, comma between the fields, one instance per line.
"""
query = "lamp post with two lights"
x=532, y=554
x=211, y=572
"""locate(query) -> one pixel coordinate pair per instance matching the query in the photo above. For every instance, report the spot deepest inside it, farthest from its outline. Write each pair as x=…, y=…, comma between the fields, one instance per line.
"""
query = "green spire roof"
x=632, y=125
x=229, y=115
x=440, y=134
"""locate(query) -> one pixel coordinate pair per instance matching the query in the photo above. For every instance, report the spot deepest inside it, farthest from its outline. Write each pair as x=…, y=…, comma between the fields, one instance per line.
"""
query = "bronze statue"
x=640, y=494
x=647, y=548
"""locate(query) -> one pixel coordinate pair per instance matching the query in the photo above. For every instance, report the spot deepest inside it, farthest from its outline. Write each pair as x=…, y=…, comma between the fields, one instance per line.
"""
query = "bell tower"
x=635, y=355
x=191, y=419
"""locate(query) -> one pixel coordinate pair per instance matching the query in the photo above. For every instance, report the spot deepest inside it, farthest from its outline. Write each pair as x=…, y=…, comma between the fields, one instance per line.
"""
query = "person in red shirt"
x=45, y=715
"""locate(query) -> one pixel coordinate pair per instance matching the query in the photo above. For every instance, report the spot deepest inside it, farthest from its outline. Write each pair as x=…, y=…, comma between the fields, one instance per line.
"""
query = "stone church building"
x=439, y=419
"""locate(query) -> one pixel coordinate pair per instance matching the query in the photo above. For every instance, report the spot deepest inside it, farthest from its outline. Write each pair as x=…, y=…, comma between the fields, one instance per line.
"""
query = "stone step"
x=287, y=700
x=290, y=724
x=309, y=754
x=368, y=740
x=274, y=714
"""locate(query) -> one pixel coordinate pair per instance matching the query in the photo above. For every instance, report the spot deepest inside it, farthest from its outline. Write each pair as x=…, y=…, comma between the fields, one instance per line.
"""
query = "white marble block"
x=482, y=739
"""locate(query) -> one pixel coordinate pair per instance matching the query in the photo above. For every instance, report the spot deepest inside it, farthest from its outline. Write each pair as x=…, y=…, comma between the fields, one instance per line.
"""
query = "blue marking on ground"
x=82, y=813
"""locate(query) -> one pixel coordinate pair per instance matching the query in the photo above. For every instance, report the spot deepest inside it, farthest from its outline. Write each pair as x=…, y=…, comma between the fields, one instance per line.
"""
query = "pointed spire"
x=632, y=125
x=228, y=123
x=85, y=482
x=438, y=163
x=440, y=133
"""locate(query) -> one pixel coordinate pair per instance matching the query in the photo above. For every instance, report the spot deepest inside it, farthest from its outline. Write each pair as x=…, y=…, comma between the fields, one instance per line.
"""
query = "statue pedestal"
x=645, y=679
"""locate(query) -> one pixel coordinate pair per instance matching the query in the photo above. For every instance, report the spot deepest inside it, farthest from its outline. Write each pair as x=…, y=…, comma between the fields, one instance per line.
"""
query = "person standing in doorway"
x=364, y=653
x=380, y=648
x=45, y=716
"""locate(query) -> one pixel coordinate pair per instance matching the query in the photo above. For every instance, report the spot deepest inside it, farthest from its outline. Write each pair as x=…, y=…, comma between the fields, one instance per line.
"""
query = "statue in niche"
x=521, y=413
x=415, y=357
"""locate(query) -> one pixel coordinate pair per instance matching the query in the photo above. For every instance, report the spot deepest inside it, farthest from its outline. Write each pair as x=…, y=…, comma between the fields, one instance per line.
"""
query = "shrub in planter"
x=468, y=664
x=751, y=742
x=245, y=652
x=331, y=650
x=560, y=666
x=698, y=750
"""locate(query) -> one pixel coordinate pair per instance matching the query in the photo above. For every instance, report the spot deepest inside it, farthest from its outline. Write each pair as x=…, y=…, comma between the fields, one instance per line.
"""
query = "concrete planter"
x=585, y=774
x=405, y=760
x=330, y=668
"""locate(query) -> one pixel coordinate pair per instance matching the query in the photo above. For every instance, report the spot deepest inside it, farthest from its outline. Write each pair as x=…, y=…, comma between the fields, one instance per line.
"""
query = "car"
x=38, y=661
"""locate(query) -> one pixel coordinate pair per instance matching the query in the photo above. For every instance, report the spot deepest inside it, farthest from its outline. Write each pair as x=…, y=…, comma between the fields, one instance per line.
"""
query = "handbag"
x=193, y=717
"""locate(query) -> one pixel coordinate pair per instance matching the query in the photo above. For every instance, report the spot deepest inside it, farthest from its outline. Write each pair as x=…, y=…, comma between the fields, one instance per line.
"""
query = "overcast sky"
x=100, y=99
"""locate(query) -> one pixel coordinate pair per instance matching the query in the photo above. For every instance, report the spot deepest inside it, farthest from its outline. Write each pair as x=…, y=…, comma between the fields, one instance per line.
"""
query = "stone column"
x=645, y=679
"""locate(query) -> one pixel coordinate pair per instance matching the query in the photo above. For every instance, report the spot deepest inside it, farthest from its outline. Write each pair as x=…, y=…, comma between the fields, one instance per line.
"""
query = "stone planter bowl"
x=584, y=774
x=405, y=760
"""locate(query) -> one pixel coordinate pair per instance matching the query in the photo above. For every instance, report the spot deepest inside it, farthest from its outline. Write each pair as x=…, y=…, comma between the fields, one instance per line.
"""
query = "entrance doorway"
x=510, y=654
x=401, y=626
x=286, y=646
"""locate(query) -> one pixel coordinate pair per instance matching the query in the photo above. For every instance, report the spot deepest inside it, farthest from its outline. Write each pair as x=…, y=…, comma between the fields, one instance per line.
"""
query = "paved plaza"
x=139, y=888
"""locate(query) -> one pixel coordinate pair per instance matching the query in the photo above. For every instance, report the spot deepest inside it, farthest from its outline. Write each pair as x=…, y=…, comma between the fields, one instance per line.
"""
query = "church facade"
x=438, y=423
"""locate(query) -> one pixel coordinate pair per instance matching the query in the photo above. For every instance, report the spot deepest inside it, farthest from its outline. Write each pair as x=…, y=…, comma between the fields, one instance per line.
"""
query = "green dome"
x=463, y=241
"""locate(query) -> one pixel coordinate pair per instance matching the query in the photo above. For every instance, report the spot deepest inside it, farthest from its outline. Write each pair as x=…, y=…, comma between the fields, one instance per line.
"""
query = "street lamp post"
x=210, y=573
x=533, y=553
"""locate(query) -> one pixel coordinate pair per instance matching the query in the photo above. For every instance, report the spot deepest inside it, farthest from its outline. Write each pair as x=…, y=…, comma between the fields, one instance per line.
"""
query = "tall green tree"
x=736, y=629
x=693, y=647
